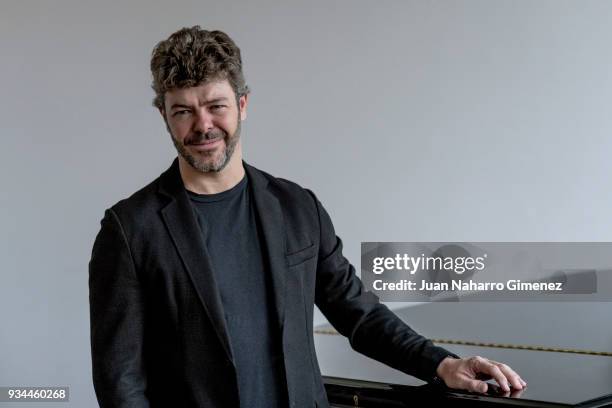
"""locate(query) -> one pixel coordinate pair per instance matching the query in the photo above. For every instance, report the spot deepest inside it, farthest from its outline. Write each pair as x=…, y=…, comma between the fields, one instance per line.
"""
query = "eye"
x=182, y=112
x=216, y=107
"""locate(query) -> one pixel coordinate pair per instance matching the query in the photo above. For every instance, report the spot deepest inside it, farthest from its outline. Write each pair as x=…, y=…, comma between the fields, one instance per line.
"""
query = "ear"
x=242, y=105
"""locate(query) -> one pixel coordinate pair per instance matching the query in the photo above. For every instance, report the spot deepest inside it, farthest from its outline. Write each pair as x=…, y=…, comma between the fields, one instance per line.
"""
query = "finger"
x=501, y=365
x=486, y=367
x=476, y=386
x=511, y=375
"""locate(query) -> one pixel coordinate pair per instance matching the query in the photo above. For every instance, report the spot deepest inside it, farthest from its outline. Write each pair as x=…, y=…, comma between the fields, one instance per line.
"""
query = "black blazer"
x=158, y=332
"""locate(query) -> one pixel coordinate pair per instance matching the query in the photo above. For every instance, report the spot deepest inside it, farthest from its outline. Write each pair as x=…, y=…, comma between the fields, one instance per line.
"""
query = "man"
x=203, y=283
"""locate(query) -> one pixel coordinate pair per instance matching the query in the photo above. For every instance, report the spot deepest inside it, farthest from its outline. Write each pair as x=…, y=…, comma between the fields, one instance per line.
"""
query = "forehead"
x=200, y=94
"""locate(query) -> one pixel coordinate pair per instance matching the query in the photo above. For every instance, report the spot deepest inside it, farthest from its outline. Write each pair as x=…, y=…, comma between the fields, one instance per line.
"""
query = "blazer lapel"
x=268, y=209
x=182, y=224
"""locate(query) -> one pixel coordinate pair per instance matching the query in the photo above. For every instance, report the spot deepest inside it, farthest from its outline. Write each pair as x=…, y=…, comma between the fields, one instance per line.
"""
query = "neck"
x=213, y=182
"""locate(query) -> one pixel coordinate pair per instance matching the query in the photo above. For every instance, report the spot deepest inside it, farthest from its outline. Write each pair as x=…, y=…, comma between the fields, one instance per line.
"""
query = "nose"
x=204, y=121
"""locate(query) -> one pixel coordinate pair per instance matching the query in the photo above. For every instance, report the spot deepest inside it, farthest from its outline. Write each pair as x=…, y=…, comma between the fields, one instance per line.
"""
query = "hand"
x=468, y=373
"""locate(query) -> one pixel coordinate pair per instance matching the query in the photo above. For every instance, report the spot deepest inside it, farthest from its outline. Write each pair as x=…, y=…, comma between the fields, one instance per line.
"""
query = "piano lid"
x=570, y=377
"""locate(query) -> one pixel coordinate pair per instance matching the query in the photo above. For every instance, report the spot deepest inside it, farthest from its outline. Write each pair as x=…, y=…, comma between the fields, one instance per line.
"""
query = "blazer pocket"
x=302, y=255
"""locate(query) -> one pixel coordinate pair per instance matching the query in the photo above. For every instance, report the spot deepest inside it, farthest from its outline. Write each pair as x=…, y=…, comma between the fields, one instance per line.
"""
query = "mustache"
x=200, y=137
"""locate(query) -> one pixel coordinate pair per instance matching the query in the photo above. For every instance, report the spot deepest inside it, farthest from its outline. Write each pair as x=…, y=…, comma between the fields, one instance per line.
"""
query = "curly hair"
x=191, y=57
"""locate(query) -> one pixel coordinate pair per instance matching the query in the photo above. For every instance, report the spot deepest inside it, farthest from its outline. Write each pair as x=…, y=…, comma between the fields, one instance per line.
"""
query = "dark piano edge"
x=597, y=402
x=344, y=391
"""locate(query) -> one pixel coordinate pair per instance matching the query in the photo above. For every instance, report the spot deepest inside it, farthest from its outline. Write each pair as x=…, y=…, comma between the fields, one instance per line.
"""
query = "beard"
x=212, y=160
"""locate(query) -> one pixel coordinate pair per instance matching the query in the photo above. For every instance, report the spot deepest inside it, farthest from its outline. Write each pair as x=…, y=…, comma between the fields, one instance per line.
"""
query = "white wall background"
x=411, y=120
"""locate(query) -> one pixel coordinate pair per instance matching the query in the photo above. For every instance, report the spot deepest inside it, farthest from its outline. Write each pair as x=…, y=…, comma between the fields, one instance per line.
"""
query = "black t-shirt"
x=231, y=232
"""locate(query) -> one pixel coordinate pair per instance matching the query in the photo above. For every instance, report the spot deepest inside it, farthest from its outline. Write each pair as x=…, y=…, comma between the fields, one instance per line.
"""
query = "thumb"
x=477, y=386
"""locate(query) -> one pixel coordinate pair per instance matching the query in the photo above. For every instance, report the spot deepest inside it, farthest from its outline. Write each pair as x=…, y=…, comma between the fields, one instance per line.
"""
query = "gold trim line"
x=498, y=345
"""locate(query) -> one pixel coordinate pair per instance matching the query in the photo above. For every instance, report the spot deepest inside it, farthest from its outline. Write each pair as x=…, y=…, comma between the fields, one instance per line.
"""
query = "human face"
x=204, y=123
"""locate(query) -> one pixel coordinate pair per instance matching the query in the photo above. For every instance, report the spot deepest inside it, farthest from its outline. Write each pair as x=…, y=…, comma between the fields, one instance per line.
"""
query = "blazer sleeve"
x=116, y=319
x=371, y=328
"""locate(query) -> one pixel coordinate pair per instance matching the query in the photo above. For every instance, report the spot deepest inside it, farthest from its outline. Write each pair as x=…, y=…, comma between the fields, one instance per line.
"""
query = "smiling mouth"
x=207, y=145
x=206, y=142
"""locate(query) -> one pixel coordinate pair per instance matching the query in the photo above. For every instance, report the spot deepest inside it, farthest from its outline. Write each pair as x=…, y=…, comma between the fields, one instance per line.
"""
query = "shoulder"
x=283, y=188
x=140, y=206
